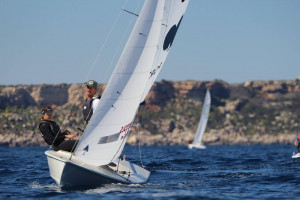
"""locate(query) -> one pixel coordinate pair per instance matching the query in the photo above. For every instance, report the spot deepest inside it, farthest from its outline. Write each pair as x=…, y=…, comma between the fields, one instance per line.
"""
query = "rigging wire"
x=105, y=41
x=93, y=65
x=100, y=52
x=138, y=136
x=120, y=44
x=119, y=47
x=157, y=61
x=115, y=55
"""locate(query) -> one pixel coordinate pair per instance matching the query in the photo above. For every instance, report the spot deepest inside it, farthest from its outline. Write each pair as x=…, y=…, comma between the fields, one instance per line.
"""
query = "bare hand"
x=70, y=136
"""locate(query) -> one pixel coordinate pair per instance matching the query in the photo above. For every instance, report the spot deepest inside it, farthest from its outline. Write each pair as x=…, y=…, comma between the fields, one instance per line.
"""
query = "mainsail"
x=203, y=119
x=106, y=134
x=173, y=14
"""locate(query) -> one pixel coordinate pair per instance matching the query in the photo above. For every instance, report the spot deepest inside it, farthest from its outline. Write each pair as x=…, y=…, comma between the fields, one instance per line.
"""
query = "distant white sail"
x=203, y=120
x=107, y=132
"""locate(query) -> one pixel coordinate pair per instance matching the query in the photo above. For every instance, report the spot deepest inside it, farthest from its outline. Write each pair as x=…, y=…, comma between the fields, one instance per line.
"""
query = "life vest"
x=88, y=108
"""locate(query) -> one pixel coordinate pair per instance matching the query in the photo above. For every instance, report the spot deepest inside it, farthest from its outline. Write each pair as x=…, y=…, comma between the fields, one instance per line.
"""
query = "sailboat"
x=197, y=142
x=297, y=155
x=97, y=158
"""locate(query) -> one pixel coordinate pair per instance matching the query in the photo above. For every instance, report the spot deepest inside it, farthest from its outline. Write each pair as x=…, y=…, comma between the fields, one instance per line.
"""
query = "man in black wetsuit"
x=52, y=134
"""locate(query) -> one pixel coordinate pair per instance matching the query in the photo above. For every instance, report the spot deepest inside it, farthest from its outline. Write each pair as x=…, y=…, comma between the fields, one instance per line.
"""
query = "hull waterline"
x=296, y=155
x=70, y=173
x=192, y=146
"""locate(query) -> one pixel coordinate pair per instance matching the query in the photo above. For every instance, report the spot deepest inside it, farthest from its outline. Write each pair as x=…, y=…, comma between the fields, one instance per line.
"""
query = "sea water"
x=218, y=172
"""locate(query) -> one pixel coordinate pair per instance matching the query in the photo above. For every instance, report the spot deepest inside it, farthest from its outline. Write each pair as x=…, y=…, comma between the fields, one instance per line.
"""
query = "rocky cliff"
x=254, y=112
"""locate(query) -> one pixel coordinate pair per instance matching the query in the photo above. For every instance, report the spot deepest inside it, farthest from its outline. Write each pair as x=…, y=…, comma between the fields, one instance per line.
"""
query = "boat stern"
x=133, y=173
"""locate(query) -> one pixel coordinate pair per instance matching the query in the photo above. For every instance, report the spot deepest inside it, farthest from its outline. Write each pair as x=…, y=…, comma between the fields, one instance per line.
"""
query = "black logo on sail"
x=171, y=35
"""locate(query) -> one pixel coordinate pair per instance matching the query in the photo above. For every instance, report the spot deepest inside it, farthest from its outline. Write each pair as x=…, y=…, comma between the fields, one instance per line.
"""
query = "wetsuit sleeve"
x=46, y=132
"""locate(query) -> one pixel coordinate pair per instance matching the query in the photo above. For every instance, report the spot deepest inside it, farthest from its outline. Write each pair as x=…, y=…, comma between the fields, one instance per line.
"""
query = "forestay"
x=203, y=119
x=106, y=134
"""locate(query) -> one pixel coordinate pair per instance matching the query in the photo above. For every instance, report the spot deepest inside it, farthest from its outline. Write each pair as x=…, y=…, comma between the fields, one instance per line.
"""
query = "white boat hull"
x=74, y=173
x=297, y=155
x=192, y=146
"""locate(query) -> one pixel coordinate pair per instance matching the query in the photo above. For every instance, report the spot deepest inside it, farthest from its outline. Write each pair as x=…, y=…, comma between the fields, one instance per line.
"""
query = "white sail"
x=173, y=14
x=203, y=119
x=96, y=157
x=108, y=129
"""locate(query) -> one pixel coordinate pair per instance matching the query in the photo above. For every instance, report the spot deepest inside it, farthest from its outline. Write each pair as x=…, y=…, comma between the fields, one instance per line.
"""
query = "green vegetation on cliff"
x=249, y=108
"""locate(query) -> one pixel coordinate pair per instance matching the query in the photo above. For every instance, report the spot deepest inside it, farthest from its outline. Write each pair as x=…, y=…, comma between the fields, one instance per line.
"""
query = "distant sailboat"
x=297, y=155
x=97, y=158
x=197, y=143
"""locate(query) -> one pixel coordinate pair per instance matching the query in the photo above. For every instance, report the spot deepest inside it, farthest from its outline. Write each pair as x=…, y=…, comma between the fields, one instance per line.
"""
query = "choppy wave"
x=219, y=172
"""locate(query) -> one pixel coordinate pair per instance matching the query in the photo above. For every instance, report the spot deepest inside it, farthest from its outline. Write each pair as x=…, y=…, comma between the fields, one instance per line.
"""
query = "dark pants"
x=67, y=145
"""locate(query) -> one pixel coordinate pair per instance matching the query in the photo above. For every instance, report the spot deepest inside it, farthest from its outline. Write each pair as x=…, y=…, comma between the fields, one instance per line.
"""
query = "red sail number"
x=125, y=128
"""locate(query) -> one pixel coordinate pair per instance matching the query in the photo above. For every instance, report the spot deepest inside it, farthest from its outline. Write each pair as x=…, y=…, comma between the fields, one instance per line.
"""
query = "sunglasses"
x=47, y=112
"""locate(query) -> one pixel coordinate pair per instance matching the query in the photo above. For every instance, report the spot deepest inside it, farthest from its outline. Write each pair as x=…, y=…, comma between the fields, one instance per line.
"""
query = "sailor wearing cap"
x=92, y=100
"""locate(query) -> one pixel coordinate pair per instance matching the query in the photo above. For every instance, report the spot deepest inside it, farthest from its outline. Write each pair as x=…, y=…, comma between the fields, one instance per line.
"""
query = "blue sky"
x=58, y=41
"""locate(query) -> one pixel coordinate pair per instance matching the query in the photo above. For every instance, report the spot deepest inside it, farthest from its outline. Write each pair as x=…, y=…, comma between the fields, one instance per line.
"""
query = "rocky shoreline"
x=254, y=112
x=144, y=138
